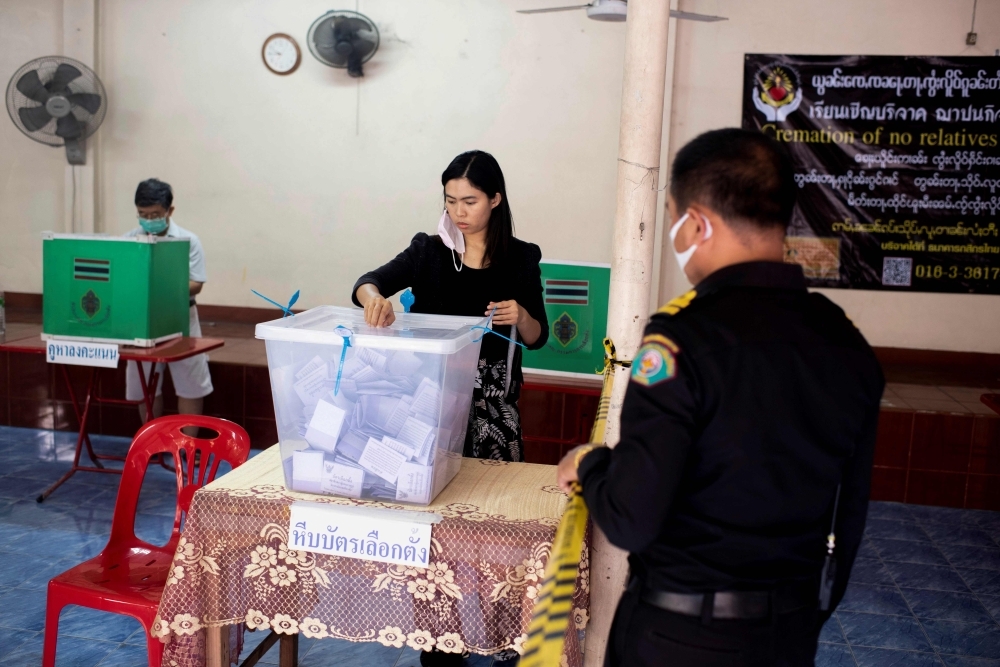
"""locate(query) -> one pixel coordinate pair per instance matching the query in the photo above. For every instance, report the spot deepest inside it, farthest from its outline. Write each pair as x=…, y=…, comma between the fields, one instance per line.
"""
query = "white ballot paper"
x=398, y=446
x=416, y=434
x=343, y=480
x=403, y=363
x=310, y=381
x=325, y=425
x=307, y=471
x=414, y=483
x=388, y=536
x=381, y=460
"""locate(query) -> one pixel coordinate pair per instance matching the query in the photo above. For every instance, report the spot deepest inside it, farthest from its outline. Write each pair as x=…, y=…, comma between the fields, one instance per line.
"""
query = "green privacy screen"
x=113, y=289
x=576, y=303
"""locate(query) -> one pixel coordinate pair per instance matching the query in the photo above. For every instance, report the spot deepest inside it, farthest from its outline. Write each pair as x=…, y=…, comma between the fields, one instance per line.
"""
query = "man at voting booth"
x=740, y=483
x=154, y=202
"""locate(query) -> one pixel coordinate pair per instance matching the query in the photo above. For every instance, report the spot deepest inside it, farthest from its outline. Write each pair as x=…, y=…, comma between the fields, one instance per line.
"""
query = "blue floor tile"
x=905, y=551
x=874, y=600
x=327, y=652
x=866, y=550
x=22, y=609
x=870, y=571
x=831, y=632
x=982, y=582
x=31, y=573
x=75, y=621
x=832, y=655
x=886, y=510
x=126, y=656
x=876, y=630
x=946, y=606
x=992, y=604
x=980, y=640
x=981, y=558
x=927, y=514
x=883, y=657
x=930, y=577
x=964, y=661
x=57, y=544
x=10, y=640
x=974, y=536
x=895, y=530
x=69, y=651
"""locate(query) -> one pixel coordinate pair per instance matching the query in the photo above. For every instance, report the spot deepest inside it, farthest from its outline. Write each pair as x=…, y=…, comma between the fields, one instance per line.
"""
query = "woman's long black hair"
x=484, y=173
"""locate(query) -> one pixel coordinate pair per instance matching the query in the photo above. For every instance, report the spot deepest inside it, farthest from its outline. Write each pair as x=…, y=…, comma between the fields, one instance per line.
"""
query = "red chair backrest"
x=196, y=461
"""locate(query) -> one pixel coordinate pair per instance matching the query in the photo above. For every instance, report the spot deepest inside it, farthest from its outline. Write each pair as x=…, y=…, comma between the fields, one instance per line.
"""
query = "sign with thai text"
x=401, y=537
x=104, y=355
x=897, y=166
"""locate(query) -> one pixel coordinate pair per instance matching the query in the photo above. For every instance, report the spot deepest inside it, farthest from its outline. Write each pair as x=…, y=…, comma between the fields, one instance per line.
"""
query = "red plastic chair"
x=128, y=576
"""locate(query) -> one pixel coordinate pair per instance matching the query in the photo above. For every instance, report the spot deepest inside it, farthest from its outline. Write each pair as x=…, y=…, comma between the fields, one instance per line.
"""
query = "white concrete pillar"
x=80, y=43
x=632, y=252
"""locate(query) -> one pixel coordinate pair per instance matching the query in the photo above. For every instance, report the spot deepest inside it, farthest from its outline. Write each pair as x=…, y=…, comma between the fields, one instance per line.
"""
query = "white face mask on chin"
x=452, y=238
x=684, y=257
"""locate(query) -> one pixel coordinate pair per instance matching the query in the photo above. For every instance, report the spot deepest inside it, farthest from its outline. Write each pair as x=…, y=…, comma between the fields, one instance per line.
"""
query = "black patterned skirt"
x=494, y=420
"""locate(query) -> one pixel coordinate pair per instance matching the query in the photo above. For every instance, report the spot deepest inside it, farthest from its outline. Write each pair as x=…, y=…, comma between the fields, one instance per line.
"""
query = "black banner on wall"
x=897, y=164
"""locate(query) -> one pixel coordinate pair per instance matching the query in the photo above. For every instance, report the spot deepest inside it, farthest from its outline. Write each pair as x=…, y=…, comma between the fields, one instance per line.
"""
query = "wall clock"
x=281, y=53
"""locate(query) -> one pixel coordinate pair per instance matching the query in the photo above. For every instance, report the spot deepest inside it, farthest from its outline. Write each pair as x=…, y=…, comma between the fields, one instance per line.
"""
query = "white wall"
x=708, y=79
x=308, y=180
x=32, y=175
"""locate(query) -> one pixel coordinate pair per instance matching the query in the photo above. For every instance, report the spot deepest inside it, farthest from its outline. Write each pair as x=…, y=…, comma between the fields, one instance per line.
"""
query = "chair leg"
x=52, y=609
x=154, y=649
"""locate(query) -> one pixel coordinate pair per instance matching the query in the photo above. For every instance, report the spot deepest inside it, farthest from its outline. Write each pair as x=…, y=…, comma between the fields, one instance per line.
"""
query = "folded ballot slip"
x=371, y=413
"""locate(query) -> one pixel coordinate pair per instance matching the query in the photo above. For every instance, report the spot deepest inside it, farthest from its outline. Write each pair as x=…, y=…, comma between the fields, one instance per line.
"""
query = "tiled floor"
x=38, y=542
x=925, y=589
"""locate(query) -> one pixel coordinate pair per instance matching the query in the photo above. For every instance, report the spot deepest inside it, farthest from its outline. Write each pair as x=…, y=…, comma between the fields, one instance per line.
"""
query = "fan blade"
x=31, y=87
x=551, y=9
x=68, y=127
x=691, y=16
x=330, y=55
x=362, y=47
x=353, y=24
x=64, y=74
x=88, y=101
x=34, y=118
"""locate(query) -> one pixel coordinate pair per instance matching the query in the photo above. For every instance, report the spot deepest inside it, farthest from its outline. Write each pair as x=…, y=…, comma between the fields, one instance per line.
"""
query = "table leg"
x=217, y=646
x=81, y=437
x=289, y=651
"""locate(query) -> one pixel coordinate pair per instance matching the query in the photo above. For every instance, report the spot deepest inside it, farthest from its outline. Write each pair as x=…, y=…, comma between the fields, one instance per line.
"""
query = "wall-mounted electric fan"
x=57, y=101
x=343, y=39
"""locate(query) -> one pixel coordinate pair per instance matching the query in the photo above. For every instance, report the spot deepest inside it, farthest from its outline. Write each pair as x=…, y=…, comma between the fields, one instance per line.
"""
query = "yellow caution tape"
x=554, y=604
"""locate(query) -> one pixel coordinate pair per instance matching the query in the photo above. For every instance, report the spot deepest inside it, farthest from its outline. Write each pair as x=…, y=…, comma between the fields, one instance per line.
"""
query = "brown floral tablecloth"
x=233, y=566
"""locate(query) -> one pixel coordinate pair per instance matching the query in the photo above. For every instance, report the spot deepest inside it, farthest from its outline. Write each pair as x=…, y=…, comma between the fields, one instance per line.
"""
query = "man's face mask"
x=155, y=226
x=684, y=257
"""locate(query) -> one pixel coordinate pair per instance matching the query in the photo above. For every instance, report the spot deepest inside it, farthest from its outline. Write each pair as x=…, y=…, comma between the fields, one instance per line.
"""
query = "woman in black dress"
x=472, y=265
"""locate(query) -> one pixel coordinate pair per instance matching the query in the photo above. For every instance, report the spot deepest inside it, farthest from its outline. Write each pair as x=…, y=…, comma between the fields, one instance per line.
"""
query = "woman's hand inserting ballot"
x=378, y=309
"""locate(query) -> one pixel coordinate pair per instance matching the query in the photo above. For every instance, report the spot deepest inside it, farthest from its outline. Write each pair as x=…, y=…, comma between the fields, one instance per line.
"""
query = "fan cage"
x=326, y=22
x=87, y=83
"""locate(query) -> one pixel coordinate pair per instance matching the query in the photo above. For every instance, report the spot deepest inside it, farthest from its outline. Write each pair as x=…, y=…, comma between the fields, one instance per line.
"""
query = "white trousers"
x=191, y=377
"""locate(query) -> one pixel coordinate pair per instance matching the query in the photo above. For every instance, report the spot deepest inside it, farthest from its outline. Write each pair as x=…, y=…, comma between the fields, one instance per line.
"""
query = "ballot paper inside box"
x=382, y=417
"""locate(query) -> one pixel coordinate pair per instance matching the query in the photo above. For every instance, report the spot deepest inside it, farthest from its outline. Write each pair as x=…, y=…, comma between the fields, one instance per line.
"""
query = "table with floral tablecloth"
x=233, y=566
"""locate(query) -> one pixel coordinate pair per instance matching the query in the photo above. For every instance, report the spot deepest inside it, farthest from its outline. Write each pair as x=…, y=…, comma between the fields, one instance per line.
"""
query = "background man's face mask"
x=155, y=226
x=684, y=257
x=452, y=237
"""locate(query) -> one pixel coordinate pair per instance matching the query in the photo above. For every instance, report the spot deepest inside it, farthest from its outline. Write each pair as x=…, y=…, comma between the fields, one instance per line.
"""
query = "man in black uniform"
x=752, y=406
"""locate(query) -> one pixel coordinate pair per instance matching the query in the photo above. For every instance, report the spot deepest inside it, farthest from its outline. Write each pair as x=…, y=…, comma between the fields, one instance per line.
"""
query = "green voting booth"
x=111, y=289
x=576, y=303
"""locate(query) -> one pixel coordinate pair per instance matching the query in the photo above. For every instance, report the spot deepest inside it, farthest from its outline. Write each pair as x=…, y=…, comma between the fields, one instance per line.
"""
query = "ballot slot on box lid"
x=376, y=408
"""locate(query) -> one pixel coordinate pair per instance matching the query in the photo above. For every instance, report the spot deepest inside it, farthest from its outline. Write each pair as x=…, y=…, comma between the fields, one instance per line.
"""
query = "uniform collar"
x=773, y=275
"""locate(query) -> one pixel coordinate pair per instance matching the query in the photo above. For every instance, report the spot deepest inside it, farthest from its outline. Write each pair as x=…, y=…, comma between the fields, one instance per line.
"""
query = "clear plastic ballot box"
x=371, y=413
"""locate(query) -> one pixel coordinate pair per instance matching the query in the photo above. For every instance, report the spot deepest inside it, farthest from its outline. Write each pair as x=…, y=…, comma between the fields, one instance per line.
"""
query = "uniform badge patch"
x=655, y=361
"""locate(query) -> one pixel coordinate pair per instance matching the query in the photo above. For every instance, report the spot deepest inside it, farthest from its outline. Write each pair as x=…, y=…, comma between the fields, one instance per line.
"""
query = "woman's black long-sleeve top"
x=427, y=268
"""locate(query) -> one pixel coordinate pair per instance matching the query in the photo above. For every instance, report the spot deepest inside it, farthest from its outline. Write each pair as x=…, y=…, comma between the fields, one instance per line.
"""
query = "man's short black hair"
x=743, y=175
x=153, y=191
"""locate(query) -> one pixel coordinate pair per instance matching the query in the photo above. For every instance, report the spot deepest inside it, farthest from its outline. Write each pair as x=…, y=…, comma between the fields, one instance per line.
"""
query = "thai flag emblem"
x=567, y=292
